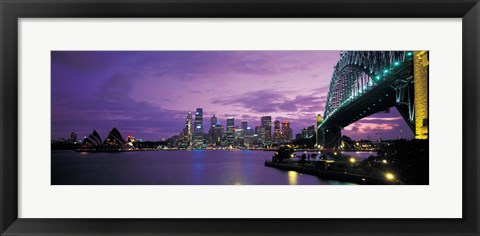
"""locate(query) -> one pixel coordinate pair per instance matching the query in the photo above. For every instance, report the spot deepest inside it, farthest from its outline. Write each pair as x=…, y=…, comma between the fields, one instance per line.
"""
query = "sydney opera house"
x=114, y=142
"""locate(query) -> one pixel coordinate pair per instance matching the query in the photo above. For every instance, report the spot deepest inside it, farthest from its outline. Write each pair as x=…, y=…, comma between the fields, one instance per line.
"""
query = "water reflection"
x=292, y=177
x=173, y=168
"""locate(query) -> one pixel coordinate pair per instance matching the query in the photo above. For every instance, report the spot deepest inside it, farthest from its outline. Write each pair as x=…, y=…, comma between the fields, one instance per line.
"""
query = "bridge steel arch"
x=367, y=82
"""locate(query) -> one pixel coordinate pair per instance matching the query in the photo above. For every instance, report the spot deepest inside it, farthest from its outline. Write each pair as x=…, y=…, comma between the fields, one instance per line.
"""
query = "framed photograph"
x=250, y=118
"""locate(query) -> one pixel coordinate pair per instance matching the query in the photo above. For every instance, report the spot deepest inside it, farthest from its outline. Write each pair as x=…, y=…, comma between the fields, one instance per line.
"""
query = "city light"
x=340, y=137
x=390, y=176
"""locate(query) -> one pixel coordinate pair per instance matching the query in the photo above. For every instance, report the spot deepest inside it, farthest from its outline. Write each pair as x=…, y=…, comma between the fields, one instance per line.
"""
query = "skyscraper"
x=286, y=135
x=230, y=130
x=244, y=125
x=257, y=129
x=213, y=121
x=211, y=130
x=304, y=133
x=217, y=133
x=266, y=123
x=276, y=130
x=188, y=129
x=198, y=128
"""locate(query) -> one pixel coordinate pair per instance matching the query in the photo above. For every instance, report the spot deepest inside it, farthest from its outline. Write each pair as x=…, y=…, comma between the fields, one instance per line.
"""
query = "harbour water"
x=198, y=167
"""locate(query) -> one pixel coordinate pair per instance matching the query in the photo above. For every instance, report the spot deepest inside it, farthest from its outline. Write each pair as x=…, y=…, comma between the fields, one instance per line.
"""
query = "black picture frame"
x=12, y=10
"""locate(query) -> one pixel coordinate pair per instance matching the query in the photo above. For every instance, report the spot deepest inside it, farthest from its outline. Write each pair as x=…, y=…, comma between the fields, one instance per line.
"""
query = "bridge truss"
x=367, y=82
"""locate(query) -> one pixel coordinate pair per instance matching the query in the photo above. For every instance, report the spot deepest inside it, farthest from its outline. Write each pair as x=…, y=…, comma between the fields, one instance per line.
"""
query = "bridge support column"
x=420, y=70
x=332, y=138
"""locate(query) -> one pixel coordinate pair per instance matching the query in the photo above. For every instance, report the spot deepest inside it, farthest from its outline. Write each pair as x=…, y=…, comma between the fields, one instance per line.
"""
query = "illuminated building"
x=73, y=138
x=266, y=123
x=249, y=131
x=310, y=131
x=304, y=133
x=276, y=131
x=286, y=131
x=243, y=133
x=188, y=130
x=217, y=134
x=244, y=125
x=92, y=140
x=248, y=137
x=319, y=133
x=307, y=133
x=198, y=129
x=213, y=121
x=211, y=131
x=114, y=138
x=257, y=129
x=239, y=137
x=230, y=131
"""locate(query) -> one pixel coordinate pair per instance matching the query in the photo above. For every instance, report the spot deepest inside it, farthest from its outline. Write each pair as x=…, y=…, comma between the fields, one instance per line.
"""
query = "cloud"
x=265, y=101
x=117, y=88
x=256, y=101
x=130, y=117
x=364, y=128
x=82, y=60
x=204, y=65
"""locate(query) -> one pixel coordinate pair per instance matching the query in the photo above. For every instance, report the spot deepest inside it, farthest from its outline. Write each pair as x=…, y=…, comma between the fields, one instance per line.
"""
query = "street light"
x=390, y=176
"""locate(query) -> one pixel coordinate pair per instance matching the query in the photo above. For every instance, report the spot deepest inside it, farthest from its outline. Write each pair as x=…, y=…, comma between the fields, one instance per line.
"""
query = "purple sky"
x=147, y=94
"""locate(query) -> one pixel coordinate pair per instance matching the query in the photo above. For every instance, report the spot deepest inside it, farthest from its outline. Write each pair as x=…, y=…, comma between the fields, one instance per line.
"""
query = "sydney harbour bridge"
x=367, y=82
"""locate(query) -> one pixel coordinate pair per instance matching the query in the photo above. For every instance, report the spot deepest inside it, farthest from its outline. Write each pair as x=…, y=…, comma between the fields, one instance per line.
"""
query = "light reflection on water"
x=173, y=168
x=292, y=177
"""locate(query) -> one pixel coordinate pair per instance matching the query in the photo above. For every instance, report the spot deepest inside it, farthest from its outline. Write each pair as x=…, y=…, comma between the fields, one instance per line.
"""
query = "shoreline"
x=331, y=175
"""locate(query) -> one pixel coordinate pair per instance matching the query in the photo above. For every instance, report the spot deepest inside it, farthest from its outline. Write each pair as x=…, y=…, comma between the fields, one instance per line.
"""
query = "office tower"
x=188, y=130
x=257, y=129
x=230, y=130
x=310, y=131
x=239, y=137
x=217, y=134
x=304, y=133
x=244, y=125
x=198, y=128
x=286, y=135
x=276, y=130
x=213, y=121
x=211, y=131
x=266, y=123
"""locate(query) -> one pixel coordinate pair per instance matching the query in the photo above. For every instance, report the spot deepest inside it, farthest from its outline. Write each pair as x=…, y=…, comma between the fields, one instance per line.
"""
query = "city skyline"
x=149, y=94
